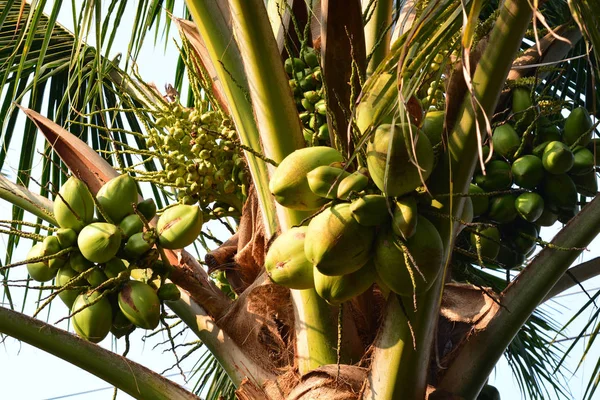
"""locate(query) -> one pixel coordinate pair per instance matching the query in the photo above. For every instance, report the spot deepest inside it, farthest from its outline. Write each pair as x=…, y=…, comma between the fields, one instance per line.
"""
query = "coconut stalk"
x=213, y=22
x=281, y=134
x=476, y=359
x=460, y=160
x=127, y=375
x=378, y=32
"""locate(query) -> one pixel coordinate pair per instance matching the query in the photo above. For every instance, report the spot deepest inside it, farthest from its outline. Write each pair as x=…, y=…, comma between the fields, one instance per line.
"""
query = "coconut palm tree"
x=450, y=95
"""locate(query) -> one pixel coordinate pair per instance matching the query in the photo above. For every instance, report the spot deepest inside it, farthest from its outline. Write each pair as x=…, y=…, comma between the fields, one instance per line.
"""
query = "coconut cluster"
x=104, y=258
x=306, y=83
x=199, y=154
x=540, y=164
x=368, y=226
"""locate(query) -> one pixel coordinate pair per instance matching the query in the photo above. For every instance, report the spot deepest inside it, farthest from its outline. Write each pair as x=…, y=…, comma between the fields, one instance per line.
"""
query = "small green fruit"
x=528, y=171
x=502, y=208
x=131, y=225
x=67, y=237
x=481, y=202
x=113, y=267
x=286, y=262
x=404, y=221
x=179, y=226
x=99, y=241
x=137, y=245
x=93, y=322
x=371, y=210
x=339, y=289
x=325, y=180
x=498, y=176
x=40, y=270
x=576, y=126
x=140, y=304
x=433, y=126
x=583, y=161
x=506, y=141
x=148, y=208
x=80, y=209
x=530, y=206
x=168, y=292
x=586, y=184
x=559, y=191
x=558, y=158
x=78, y=262
x=356, y=182
x=64, y=275
x=117, y=197
x=489, y=241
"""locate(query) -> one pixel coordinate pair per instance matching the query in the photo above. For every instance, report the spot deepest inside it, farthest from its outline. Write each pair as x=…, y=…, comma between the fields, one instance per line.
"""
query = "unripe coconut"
x=40, y=271
x=113, y=267
x=433, y=126
x=131, y=225
x=498, y=176
x=80, y=209
x=99, y=242
x=168, y=292
x=325, y=180
x=521, y=104
x=546, y=131
x=548, y=218
x=148, y=208
x=64, y=275
x=289, y=183
x=336, y=243
x=67, y=237
x=371, y=210
x=356, y=182
x=481, y=202
x=583, y=161
x=466, y=216
x=77, y=262
x=339, y=289
x=96, y=277
x=121, y=326
x=404, y=222
x=179, y=226
x=558, y=158
x=576, y=125
x=509, y=257
x=586, y=184
x=93, y=322
x=137, y=245
x=394, y=266
x=523, y=236
x=530, y=206
x=489, y=241
x=559, y=191
x=52, y=246
x=286, y=262
x=140, y=304
x=402, y=175
x=506, y=141
x=528, y=171
x=117, y=197
x=502, y=208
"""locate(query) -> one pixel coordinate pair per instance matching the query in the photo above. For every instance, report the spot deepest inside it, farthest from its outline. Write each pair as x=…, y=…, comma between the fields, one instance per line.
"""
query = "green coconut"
x=179, y=226
x=466, y=216
x=481, y=202
x=325, y=180
x=528, y=171
x=140, y=304
x=559, y=191
x=548, y=218
x=96, y=277
x=404, y=221
x=74, y=205
x=393, y=265
x=40, y=270
x=489, y=241
x=586, y=184
x=521, y=105
x=336, y=243
x=67, y=237
x=402, y=174
x=546, y=131
x=113, y=267
x=117, y=197
x=433, y=126
x=289, y=183
x=64, y=275
x=509, y=257
x=52, y=246
x=578, y=125
x=339, y=289
x=498, y=176
x=131, y=225
x=148, y=208
x=529, y=206
x=583, y=161
x=121, y=326
x=371, y=210
x=94, y=321
x=523, y=236
x=168, y=292
x=558, y=158
x=502, y=208
x=99, y=241
x=286, y=262
x=137, y=245
x=355, y=183
x=78, y=262
x=506, y=141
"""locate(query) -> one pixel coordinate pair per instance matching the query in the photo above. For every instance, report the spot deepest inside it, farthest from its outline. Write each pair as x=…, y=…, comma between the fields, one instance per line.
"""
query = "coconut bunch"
x=104, y=258
x=197, y=149
x=306, y=83
x=539, y=165
x=368, y=225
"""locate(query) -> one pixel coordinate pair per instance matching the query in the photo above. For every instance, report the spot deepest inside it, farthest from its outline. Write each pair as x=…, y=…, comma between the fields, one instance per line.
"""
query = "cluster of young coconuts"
x=551, y=160
x=357, y=236
x=106, y=268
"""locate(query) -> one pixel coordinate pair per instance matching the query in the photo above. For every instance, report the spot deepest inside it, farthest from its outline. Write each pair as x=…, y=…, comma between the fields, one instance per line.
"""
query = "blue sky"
x=28, y=373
